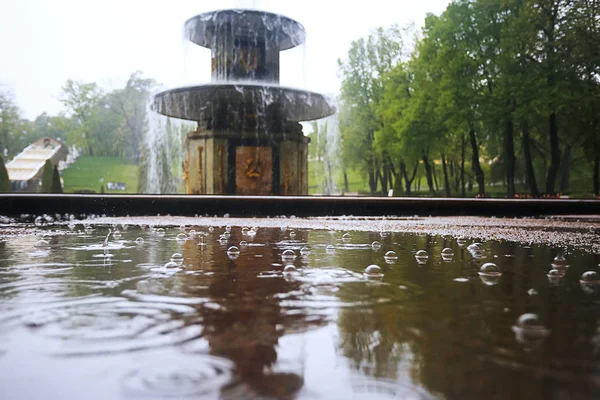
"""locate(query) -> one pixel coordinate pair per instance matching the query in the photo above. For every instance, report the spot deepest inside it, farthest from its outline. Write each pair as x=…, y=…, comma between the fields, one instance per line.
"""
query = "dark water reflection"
x=76, y=324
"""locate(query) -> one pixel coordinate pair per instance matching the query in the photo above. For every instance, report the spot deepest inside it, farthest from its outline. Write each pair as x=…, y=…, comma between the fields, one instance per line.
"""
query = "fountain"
x=248, y=138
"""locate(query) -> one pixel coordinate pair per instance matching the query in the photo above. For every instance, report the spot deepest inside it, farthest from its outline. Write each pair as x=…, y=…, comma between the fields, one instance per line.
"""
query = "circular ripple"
x=181, y=377
x=96, y=325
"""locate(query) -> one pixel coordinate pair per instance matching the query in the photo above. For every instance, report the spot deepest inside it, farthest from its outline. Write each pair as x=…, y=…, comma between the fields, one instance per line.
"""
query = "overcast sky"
x=45, y=42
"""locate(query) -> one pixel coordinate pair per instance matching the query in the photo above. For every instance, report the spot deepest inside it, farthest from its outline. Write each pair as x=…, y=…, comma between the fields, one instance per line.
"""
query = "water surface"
x=86, y=317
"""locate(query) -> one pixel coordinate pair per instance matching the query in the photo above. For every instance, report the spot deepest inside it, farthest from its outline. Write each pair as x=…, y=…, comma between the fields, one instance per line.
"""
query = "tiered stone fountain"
x=249, y=139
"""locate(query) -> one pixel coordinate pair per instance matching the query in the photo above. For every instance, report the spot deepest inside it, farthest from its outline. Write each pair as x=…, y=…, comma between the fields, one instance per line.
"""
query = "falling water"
x=329, y=173
x=162, y=154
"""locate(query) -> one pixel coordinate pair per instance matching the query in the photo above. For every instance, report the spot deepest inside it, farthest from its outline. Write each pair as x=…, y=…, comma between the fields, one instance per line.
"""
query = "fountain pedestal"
x=222, y=162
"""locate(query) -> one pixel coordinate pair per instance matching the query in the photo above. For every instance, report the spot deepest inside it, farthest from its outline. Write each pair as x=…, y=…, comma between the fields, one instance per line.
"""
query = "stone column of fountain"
x=248, y=140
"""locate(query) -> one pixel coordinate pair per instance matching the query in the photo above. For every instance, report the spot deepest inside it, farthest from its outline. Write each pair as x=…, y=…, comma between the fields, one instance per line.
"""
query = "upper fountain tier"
x=245, y=44
x=245, y=89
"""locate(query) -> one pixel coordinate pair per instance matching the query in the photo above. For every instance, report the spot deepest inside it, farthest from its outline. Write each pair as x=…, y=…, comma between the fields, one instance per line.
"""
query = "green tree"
x=129, y=105
x=362, y=88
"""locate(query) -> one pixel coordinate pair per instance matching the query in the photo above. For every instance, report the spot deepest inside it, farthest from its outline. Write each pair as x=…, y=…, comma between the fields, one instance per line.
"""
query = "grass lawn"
x=356, y=183
x=86, y=174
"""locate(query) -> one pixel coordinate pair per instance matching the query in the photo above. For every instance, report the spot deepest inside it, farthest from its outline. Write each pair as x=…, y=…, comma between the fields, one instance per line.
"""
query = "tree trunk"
x=446, y=180
x=463, y=190
x=414, y=174
x=372, y=179
x=529, y=170
x=475, y=162
x=435, y=179
x=596, y=174
x=383, y=179
x=509, y=158
x=565, y=170
x=429, y=175
x=346, y=184
x=554, y=154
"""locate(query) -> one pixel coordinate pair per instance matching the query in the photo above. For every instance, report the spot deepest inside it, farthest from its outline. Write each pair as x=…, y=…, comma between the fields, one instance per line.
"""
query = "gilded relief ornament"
x=253, y=167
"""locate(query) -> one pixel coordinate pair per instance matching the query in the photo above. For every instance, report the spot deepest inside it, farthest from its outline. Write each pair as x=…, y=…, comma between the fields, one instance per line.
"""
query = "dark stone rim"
x=205, y=95
x=14, y=205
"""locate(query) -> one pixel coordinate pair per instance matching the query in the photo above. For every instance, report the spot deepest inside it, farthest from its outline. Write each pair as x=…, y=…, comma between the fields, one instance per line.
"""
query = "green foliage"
x=4, y=181
x=507, y=89
x=108, y=123
x=47, y=174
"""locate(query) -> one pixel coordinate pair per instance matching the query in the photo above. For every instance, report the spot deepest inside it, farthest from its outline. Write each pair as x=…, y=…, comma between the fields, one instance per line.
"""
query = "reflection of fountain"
x=248, y=139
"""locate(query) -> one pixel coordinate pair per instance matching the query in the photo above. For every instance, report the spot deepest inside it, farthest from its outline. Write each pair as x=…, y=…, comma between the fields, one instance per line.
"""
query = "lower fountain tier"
x=243, y=106
x=226, y=162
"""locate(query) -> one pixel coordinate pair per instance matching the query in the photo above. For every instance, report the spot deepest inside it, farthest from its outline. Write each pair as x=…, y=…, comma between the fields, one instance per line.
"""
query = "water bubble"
x=251, y=233
x=283, y=228
x=172, y=264
x=182, y=237
x=288, y=255
x=245, y=230
x=590, y=278
x=384, y=234
x=289, y=269
x=182, y=228
x=160, y=232
x=42, y=244
x=560, y=260
x=462, y=242
x=117, y=235
x=330, y=249
x=39, y=221
x=529, y=331
x=390, y=257
x=529, y=321
x=233, y=252
x=448, y=252
x=193, y=233
x=373, y=272
x=139, y=241
x=292, y=234
x=489, y=269
x=475, y=247
x=421, y=255
x=71, y=226
x=88, y=230
x=243, y=244
x=375, y=245
x=555, y=274
x=211, y=229
x=228, y=228
x=305, y=251
x=346, y=237
x=177, y=258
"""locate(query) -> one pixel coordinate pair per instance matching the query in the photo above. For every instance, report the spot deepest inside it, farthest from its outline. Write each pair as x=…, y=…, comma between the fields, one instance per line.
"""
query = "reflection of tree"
x=456, y=339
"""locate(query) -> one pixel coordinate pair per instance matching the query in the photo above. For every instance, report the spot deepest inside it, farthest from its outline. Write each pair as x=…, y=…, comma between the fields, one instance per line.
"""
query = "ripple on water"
x=100, y=325
x=371, y=388
x=182, y=376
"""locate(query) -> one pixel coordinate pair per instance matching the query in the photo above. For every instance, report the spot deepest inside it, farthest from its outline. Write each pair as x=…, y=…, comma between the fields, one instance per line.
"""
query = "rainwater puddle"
x=231, y=312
